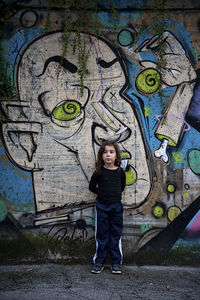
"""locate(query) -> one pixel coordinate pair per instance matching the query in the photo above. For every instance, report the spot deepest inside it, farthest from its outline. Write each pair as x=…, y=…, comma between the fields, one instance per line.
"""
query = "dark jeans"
x=108, y=230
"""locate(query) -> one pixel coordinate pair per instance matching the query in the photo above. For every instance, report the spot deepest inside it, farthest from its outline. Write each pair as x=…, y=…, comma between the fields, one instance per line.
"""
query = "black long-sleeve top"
x=108, y=184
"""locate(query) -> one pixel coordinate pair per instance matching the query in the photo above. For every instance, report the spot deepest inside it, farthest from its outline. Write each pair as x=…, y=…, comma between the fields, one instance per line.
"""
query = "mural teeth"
x=124, y=164
x=125, y=156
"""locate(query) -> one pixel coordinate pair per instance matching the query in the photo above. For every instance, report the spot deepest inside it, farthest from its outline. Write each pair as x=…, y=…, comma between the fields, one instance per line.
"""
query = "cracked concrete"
x=72, y=282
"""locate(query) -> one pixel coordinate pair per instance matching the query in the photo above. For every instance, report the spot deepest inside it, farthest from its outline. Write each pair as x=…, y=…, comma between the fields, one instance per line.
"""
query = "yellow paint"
x=158, y=211
x=125, y=155
x=148, y=81
x=67, y=111
x=161, y=137
x=173, y=212
x=177, y=157
x=131, y=176
x=105, y=116
x=170, y=188
x=147, y=111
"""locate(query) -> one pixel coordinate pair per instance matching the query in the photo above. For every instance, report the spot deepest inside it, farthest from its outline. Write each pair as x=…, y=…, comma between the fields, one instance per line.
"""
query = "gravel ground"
x=74, y=282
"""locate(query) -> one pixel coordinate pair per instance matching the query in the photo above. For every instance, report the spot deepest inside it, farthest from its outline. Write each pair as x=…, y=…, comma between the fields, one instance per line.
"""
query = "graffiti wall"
x=141, y=89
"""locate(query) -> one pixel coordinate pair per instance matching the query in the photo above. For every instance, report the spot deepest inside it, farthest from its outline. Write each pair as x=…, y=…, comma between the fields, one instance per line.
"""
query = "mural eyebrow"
x=63, y=61
x=105, y=64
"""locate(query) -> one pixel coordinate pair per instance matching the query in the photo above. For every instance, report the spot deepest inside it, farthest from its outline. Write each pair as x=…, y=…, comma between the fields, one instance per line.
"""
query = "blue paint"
x=187, y=242
x=14, y=187
x=106, y=19
x=21, y=192
x=18, y=41
x=191, y=138
x=188, y=226
x=125, y=37
x=122, y=4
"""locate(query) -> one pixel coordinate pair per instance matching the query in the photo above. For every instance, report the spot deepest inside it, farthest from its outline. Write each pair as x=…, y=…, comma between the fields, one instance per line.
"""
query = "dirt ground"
x=76, y=282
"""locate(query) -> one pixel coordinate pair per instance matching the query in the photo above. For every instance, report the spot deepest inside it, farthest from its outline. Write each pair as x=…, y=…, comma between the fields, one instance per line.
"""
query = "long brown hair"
x=100, y=162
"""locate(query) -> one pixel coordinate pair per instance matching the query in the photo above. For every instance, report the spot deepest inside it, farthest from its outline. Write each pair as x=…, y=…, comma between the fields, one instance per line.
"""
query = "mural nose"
x=111, y=129
x=103, y=133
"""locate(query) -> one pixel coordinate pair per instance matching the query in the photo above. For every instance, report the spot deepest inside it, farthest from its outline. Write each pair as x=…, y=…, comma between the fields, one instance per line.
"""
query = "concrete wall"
x=51, y=129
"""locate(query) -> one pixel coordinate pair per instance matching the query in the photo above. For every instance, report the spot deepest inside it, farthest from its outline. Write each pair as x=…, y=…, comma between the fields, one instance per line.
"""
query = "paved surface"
x=53, y=281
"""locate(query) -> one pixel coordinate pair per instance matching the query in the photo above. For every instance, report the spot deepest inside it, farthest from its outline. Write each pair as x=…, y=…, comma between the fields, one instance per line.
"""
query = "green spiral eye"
x=148, y=81
x=67, y=110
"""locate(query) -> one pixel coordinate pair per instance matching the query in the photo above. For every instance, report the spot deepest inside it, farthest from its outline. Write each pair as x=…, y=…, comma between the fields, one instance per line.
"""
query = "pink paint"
x=175, y=117
x=193, y=229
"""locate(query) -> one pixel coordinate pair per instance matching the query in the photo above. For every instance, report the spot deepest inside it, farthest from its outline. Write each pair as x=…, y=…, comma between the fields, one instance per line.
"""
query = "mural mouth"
x=125, y=156
x=102, y=135
x=131, y=174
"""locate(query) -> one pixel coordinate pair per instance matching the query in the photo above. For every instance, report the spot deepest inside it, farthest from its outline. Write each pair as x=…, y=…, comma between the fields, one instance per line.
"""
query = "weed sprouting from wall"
x=160, y=16
x=82, y=14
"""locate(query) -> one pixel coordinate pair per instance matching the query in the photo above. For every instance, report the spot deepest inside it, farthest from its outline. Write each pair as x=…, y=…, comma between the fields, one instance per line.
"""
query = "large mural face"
x=59, y=129
x=52, y=132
